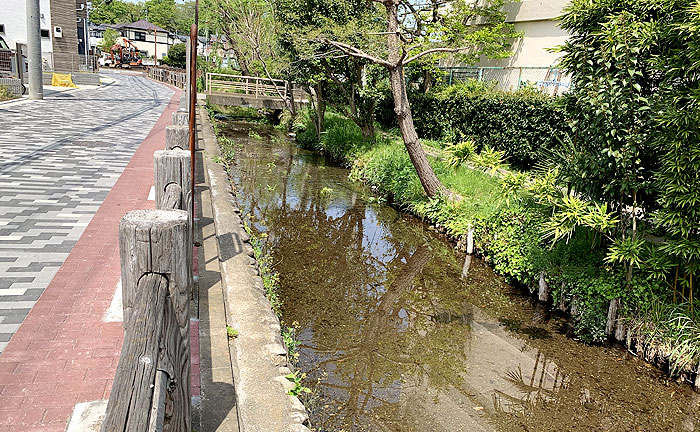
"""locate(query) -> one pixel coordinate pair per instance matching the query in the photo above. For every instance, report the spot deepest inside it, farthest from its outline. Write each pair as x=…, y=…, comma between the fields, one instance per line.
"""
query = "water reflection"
x=400, y=333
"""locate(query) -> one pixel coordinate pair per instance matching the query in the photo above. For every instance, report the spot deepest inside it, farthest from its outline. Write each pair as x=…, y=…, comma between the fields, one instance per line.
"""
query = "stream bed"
x=400, y=332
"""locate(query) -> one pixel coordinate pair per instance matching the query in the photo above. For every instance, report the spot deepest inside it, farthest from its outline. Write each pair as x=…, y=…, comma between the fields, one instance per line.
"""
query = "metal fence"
x=74, y=63
x=550, y=80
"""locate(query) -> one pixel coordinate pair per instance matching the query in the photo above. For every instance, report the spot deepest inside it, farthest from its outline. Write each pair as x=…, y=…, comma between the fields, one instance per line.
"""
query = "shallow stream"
x=399, y=332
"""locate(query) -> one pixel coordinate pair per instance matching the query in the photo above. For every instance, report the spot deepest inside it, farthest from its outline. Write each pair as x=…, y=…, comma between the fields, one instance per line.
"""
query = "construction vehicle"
x=126, y=55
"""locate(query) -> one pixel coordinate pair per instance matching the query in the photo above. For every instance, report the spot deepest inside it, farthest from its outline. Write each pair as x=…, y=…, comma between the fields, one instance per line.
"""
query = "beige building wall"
x=532, y=58
x=537, y=20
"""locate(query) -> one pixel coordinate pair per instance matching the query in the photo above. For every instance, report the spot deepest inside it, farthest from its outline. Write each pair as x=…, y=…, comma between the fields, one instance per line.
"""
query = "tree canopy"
x=168, y=14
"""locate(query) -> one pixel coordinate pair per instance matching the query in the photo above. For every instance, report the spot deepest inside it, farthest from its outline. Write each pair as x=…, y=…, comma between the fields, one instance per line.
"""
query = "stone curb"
x=258, y=354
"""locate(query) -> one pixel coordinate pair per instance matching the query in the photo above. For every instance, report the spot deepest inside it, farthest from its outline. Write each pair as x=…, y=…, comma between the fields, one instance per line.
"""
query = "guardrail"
x=255, y=87
x=551, y=80
x=176, y=77
x=151, y=390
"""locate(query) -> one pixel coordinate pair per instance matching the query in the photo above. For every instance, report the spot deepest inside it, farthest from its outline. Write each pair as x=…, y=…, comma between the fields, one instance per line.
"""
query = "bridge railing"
x=176, y=77
x=255, y=87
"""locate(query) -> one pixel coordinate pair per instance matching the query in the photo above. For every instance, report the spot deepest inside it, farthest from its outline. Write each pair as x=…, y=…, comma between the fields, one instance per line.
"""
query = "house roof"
x=142, y=25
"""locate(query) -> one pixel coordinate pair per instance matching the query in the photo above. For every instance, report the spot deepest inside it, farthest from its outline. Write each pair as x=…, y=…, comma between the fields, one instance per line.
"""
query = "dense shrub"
x=341, y=138
x=177, y=56
x=517, y=123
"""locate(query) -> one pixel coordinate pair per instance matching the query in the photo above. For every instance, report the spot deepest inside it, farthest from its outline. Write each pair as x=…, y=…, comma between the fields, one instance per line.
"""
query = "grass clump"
x=460, y=153
x=231, y=332
x=341, y=138
x=269, y=277
x=6, y=94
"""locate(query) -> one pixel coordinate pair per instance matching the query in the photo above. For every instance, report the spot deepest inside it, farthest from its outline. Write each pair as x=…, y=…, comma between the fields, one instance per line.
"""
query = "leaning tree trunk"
x=428, y=179
x=430, y=182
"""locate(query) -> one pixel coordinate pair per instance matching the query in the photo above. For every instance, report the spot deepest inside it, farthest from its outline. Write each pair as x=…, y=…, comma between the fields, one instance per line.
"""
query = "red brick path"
x=63, y=353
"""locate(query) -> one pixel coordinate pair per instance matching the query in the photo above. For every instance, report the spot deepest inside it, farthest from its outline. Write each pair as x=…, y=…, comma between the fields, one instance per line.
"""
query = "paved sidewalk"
x=62, y=156
x=53, y=190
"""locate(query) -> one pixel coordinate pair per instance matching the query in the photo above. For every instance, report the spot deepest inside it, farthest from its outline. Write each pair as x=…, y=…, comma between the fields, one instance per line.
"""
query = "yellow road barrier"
x=62, y=80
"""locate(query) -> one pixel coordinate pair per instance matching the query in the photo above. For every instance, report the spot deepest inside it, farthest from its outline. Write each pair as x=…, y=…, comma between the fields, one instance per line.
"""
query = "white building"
x=142, y=34
x=13, y=25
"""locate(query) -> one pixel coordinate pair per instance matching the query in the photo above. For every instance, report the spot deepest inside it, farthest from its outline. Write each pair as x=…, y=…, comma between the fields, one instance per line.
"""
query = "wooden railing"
x=151, y=390
x=255, y=87
x=176, y=77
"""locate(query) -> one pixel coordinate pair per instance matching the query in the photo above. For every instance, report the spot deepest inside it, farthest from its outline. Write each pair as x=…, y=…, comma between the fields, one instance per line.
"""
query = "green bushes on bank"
x=340, y=139
x=518, y=123
x=508, y=235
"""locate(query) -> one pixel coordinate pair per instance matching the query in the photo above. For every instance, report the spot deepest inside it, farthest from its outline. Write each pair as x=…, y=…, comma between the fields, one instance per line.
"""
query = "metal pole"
x=87, y=34
x=36, y=86
x=193, y=98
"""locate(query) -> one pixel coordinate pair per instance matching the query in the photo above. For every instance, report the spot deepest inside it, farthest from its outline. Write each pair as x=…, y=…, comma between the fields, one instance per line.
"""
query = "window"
x=2, y=28
x=140, y=36
x=44, y=33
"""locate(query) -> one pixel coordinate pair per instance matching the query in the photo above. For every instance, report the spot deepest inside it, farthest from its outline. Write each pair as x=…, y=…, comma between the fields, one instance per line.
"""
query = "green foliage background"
x=520, y=123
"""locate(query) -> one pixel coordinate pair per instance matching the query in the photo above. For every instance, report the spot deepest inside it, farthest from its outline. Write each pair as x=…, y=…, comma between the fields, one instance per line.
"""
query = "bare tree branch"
x=433, y=51
x=355, y=52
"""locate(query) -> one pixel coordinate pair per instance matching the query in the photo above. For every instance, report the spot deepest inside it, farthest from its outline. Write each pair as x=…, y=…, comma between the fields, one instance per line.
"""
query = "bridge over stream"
x=253, y=92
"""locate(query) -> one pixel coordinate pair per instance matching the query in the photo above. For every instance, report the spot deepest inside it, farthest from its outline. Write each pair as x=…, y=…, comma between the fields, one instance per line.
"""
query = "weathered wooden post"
x=184, y=102
x=177, y=137
x=543, y=293
x=151, y=389
x=181, y=117
x=470, y=240
x=172, y=167
x=612, y=316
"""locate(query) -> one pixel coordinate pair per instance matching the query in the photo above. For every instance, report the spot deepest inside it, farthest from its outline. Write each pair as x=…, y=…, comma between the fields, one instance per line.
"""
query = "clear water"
x=399, y=332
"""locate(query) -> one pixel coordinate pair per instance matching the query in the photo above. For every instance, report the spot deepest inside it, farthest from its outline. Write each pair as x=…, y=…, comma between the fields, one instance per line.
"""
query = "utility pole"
x=36, y=86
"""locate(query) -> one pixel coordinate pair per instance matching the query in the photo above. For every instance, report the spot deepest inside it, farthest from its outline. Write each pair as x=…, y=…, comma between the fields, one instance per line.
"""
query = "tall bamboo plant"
x=678, y=178
x=634, y=107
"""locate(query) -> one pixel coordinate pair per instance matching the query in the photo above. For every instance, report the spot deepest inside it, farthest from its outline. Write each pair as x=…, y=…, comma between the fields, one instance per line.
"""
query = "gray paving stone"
x=62, y=157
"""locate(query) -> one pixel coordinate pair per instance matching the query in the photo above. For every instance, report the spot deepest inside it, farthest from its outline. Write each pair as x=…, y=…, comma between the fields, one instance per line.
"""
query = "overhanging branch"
x=433, y=51
x=355, y=52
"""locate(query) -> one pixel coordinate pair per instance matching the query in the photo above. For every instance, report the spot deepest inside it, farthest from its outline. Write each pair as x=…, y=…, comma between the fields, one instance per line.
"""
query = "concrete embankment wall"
x=258, y=355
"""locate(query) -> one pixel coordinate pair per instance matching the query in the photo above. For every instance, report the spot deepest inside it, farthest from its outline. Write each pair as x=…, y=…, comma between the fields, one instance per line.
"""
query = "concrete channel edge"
x=258, y=355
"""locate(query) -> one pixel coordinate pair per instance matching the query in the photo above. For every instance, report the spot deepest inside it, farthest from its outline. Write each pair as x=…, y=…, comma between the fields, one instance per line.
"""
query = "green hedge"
x=518, y=123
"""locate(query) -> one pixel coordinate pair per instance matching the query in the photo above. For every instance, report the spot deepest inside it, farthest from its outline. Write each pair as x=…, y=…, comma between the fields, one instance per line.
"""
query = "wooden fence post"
x=152, y=383
x=172, y=166
x=177, y=137
x=184, y=102
x=181, y=117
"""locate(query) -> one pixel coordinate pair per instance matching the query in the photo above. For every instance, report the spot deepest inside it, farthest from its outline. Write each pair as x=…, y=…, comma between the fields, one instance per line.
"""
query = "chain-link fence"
x=550, y=80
